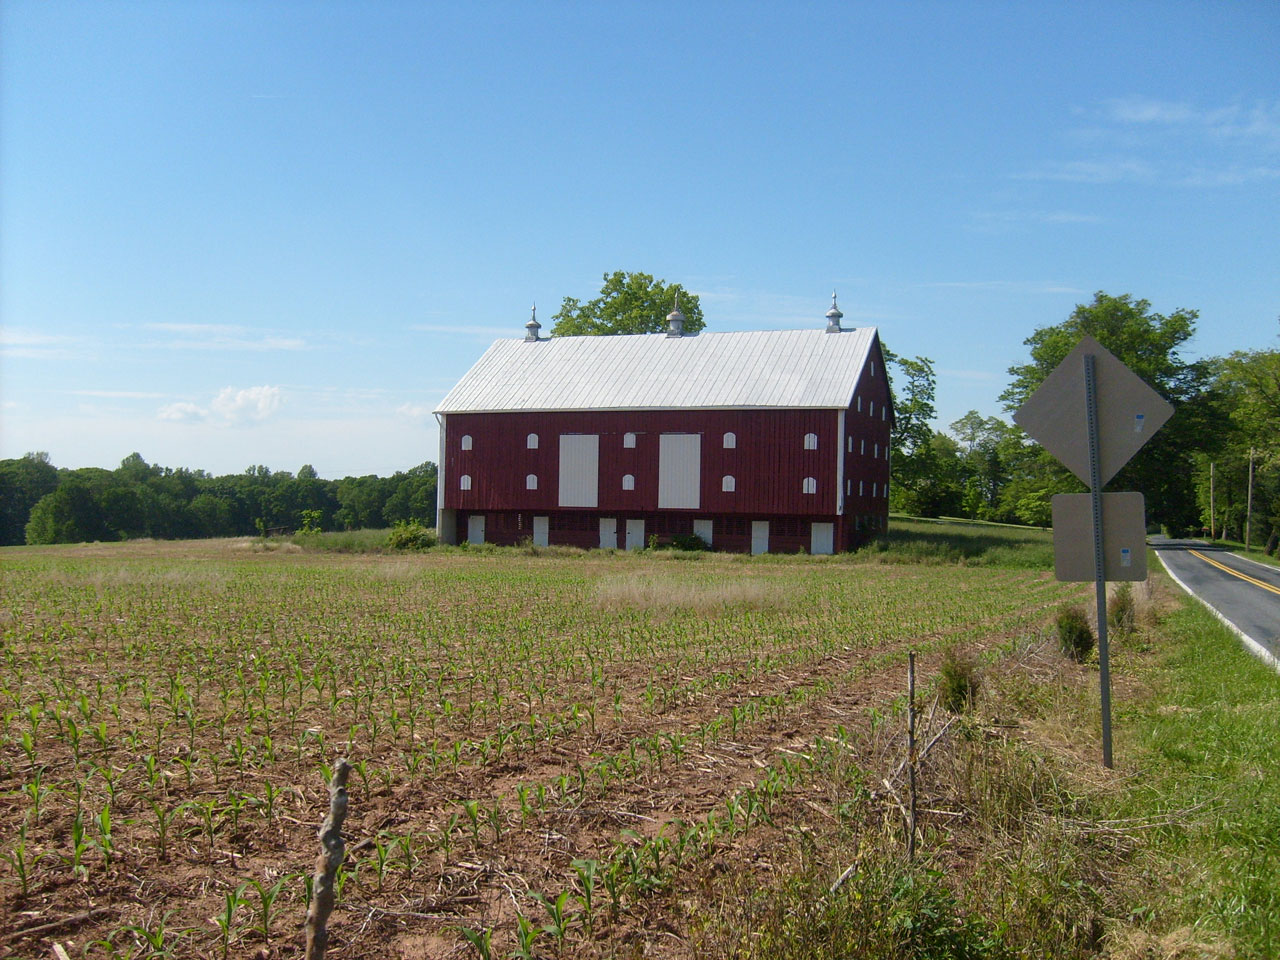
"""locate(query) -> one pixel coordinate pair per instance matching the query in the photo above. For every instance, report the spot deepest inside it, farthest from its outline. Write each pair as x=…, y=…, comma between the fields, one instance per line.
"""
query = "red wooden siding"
x=768, y=463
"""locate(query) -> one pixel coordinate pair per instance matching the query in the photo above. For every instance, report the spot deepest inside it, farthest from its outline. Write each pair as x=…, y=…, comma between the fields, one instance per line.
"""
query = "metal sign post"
x=1114, y=431
x=1099, y=572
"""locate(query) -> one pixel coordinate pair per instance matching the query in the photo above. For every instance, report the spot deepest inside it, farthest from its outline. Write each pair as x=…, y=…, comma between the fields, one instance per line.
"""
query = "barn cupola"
x=834, y=316
x=675, y=321
x=533, y=326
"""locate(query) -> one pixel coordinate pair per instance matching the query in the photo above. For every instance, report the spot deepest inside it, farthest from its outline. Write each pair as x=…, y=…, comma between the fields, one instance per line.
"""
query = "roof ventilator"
x=834, y=316
x=532, y=327
x=675, y=321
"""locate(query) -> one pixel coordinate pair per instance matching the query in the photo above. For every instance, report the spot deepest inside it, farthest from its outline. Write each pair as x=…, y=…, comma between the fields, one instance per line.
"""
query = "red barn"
x=761, y=441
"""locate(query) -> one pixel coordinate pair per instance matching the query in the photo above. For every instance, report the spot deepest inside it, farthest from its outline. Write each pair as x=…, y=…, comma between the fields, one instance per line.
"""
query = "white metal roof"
x=766, y=368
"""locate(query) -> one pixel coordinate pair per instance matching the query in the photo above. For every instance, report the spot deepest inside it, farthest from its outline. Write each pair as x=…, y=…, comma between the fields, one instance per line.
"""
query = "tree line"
x=1226, y=408
x=40, y=503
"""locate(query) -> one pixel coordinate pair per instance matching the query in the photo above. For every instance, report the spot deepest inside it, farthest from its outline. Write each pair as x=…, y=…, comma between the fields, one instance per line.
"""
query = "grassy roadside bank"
x=1027, y=847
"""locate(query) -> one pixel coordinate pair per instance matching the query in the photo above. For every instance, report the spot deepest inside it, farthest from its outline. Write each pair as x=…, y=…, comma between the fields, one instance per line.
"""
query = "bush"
x=411, y=535
x=1075, y=636
x=957, y=682
x=690, y=542
x=1122, y=612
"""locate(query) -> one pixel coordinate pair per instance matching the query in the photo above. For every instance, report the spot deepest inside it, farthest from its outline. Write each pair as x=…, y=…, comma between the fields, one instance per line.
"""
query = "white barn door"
x=541, y=531
x=759, y=536
x=702, y=528
x=679, y=471
x=635, y=534
x=579, y=469
x=608, y=533
x=822, y=538
x=475, y=528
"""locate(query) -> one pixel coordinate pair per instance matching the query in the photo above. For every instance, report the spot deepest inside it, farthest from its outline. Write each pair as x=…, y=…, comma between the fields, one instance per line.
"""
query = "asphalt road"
x=1243, y=592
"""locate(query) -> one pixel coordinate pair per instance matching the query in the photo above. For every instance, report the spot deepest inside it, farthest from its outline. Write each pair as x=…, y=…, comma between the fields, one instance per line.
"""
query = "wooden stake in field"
x=911, y=753
x=332, y=851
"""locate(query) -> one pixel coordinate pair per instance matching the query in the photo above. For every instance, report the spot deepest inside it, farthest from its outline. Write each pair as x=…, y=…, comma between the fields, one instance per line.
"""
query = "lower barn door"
x=475, y=528
x=759, y=536
x=822, y=538
x=541, y=530
x=635, y=534
x=608, y=533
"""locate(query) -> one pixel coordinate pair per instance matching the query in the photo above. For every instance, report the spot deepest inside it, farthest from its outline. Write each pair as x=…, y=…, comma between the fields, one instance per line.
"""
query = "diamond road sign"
x=1129, y=412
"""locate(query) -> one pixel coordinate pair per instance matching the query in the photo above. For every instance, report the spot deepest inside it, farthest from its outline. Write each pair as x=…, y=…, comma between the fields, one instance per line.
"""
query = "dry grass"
x=650, y=593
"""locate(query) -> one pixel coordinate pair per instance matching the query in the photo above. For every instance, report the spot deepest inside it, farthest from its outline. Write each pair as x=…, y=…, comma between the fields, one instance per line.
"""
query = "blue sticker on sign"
x=1138, y=421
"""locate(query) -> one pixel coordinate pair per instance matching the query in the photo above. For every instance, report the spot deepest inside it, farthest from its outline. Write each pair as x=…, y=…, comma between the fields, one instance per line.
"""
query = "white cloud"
x=414, y=411
x=1093, y=171
x=251, y=403
x=18, y=342
x=219, y=336
x=118, y=394
x=183, y=412
x=475, y=330
x=1259, y=121
x=229, y=407
x=1012, y=286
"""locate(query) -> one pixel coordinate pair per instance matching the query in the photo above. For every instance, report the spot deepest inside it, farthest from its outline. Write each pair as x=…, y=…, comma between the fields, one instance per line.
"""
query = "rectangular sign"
x=1124, y=537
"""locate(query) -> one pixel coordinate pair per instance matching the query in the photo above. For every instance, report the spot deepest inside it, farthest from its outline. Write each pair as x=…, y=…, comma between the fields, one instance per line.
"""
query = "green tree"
x=71, y=514
x=983, y=465
x=1148, y=344
x=23, y=483
x=1248, y=386
x=628, y=303
x=414, y=497
x=925, y=472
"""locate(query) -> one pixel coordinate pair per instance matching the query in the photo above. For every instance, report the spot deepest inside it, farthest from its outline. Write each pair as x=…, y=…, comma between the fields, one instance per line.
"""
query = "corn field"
x=546, y=750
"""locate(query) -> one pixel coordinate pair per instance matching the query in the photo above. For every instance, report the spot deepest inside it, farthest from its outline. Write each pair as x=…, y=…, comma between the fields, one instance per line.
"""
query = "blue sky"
x=250, y=232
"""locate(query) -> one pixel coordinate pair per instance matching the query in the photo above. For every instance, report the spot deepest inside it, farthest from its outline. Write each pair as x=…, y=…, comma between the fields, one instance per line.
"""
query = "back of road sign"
x=1124, y=537
x=1129, y=412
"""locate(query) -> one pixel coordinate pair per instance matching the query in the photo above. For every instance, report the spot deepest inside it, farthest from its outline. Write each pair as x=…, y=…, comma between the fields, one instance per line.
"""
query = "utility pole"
x=1248, y=513
x=1212, y=534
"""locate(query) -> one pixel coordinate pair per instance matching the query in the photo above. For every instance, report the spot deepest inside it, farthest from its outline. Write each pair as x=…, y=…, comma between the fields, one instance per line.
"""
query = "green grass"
x=1253, y=553
x=343, y=541
x=1209, y=736
x=967, y=544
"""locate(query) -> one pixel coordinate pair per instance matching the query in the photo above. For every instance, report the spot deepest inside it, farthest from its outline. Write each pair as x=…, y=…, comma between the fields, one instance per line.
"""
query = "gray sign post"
x=1118, y=413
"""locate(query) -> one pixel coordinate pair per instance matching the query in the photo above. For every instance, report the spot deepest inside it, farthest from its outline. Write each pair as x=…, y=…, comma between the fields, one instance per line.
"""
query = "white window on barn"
x=862, y=446
x=728, y=484
x=730, y=441
x=850, y=445
x=628, y=482
x=873, y=489
x=629, y=440
x=877, y=451
x=531, y=441
x=531, y=482
x=848, y=488
x=873, y=368
x=810, y=485
x=886, y=451
x=859, y=404
x=872, y=411
x=466, y=441
x=811, y=441
x=860, y=487
x=464, y=482
x=884, y=411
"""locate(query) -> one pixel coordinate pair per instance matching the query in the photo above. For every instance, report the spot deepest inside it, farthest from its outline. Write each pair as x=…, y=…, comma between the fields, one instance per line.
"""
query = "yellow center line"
x=1235, y=573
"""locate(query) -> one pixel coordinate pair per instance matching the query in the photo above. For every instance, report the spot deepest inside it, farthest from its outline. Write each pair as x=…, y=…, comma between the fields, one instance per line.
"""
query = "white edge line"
x=1254, y=647
x=1257, y=563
